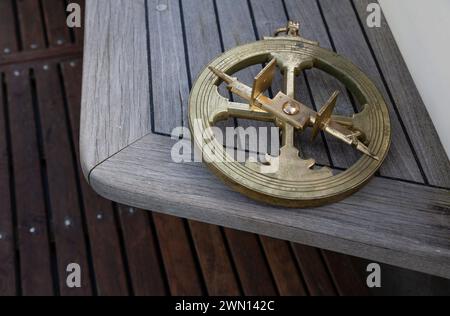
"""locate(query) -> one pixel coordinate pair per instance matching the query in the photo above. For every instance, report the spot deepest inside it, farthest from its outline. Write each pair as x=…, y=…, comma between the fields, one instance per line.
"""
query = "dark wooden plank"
x=340, y=18
x=28, y=58
x=104, y=240
x=214, y=261
x=31, y=212
x=31, y=25
x=7, y=239
x=55, y=22
x=70, y=238
x=79, y=31
x=8, y=39
x=146, y=269
x=348, y=280
x=284, y=269
x=254, y=273
x=314, y=271
x=178, y=256
x=407, y=99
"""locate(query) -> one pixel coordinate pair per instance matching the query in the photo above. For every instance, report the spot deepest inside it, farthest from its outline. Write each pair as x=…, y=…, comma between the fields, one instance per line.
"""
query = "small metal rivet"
x=131, y=210
x=60, y=42
x=32, y=230
x=7, y=50
x=99, y=216
x=67, y=222
x=45, y=67
x=16, y=73
x=33, y=46
x=1, y=236
x=291, y=109
x=73, y=64
x=161, y=7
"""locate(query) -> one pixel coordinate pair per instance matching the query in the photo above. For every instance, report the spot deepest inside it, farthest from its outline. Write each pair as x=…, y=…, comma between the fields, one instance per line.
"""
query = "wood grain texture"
x=116, y=53
x=318, y=281
x=285, y=272
x=8, y=42
x=254, y=272
x=31, y=212
x=109, y=270
x=350, y=283
x=214, y=260
x=31, y=25
x=390, y=221
x=64, y=203
x=55, y=23
x=145, y=266
x=340, y=18
x=170, y=89
x=408, y=101
x=178, y=256
x=7, y=240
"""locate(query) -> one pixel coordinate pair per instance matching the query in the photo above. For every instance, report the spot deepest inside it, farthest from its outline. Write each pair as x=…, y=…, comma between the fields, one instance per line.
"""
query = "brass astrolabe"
x=296, y=181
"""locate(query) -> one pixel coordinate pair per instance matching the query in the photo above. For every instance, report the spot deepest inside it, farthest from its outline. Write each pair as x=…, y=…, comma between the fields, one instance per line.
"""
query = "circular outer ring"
x=276, y=191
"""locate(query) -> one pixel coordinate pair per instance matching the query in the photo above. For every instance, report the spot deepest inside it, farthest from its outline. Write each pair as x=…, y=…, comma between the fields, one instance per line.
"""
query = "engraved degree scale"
x=296, y=182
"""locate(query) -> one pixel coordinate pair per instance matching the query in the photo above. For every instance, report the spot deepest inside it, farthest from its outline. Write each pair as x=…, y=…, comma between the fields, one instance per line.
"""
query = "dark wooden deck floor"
x=49, y=217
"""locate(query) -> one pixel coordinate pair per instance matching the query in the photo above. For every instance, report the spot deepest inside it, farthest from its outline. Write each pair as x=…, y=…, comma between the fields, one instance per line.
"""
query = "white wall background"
x=422, y=31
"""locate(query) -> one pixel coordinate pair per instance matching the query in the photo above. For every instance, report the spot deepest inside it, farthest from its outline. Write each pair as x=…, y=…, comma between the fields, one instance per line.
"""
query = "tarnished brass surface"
x=294, y=181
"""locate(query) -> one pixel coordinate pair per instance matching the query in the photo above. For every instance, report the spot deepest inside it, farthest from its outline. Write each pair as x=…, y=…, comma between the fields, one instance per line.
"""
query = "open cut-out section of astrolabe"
x=286, y=178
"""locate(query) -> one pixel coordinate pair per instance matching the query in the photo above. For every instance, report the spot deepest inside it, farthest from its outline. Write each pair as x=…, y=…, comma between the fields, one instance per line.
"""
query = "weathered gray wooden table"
x=140, y=61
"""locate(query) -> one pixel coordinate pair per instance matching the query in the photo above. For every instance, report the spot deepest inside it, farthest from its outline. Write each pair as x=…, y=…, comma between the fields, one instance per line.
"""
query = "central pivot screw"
x=291, y=109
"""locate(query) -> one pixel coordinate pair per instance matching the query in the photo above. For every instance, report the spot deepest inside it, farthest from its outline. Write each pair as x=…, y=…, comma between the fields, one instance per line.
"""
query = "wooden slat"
x=178, y=256
x=313, y=268
x=214, y=260
x=146, y=270
x=103, y=236
x=340, y=18
x=116, y=32
x=7, y=240
x=8, y=40
x=55, y=22
x=389, y=221
x=170, y=90
x=63, y=195
x=285, y=271
x=31, y=212
x=31, y=25
x=408, y=102
x=253, y=271
x=347, y=279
